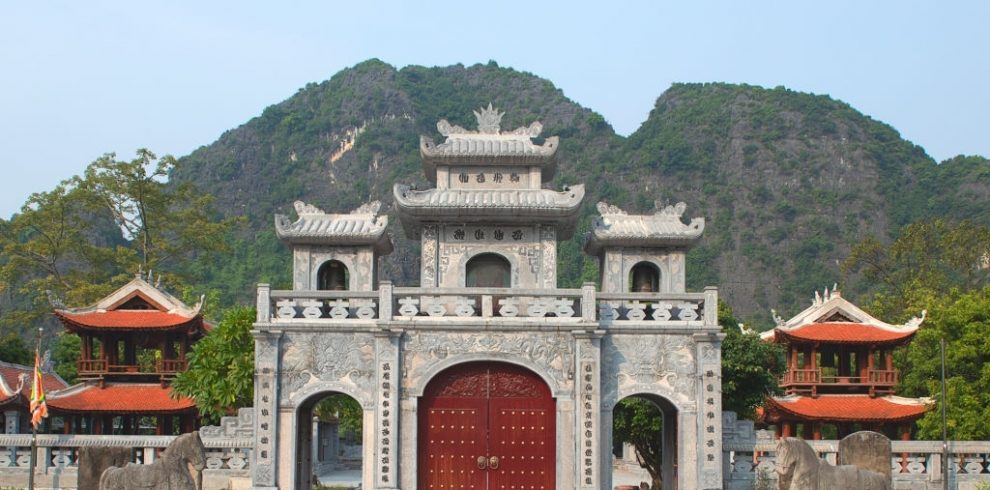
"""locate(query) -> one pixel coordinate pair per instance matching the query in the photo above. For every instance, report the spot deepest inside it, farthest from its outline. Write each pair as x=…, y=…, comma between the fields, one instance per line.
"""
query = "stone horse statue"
x=168, y=472
x=799, y=468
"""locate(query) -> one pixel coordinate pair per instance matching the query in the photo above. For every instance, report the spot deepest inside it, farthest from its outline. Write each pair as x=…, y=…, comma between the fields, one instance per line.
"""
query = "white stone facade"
x=382, y=345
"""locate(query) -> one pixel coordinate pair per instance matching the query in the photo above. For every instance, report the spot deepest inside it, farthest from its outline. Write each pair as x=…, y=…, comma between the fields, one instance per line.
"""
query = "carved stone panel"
x=548, y=353
x=428, y=262
x=345, y=358
x=664, y=361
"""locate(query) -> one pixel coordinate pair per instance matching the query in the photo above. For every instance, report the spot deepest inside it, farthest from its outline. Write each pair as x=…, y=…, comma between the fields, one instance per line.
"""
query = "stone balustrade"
x=228, y=454
x=638, y=310
x=749, y=460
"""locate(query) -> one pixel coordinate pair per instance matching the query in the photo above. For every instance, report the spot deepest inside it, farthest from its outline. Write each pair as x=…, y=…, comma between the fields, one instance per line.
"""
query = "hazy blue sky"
x=78, y=79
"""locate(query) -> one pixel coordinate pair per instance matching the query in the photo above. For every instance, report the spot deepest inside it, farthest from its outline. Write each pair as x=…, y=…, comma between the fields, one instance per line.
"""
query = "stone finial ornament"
x=489, y=120
x=303, y=208
x=605, y=208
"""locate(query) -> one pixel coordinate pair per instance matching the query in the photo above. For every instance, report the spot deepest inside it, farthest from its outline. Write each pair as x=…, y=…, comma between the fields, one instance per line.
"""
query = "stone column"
x=386, y=441
x=591, y=454
x=709, y=415
x=264, y=474
x=428, y=257
x=13, y=421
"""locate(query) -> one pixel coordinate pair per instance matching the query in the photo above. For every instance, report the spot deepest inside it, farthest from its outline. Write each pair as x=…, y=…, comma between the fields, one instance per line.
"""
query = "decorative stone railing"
x=649, y=310
x=228, y=453
x=675, y=310
x=749, y=460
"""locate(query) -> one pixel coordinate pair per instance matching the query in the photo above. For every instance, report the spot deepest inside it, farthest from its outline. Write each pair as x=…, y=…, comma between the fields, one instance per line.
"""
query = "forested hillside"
x=788, y=181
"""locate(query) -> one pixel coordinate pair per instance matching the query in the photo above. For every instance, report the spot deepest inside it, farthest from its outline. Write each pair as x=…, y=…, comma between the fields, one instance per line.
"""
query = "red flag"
x=39, y=409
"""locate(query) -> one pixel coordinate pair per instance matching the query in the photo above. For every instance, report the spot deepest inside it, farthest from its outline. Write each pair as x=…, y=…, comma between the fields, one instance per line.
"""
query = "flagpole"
x=34, y=428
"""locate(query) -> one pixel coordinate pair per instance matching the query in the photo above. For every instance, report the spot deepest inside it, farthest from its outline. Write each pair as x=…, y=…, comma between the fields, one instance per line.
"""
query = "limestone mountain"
x=788, y=181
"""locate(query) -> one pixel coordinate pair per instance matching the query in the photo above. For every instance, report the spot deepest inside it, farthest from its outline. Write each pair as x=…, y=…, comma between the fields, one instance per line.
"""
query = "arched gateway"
x=471, y=382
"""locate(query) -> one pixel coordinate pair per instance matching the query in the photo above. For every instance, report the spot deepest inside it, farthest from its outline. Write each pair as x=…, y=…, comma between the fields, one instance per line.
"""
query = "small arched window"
x=488, y=271
x=332, y=276
x=644, y=278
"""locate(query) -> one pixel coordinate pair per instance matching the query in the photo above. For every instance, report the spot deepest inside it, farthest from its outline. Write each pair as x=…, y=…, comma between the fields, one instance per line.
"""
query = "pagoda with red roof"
x=134, y=342
x=840, y=372
x=15, y=395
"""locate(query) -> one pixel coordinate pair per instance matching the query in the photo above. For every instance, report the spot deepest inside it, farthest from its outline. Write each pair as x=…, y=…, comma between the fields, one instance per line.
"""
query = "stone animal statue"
x=168, y=472
x=799, y=468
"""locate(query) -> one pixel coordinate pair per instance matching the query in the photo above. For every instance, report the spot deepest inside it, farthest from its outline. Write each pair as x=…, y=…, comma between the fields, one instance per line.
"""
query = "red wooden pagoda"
x=840, y=372
x=134, y=342
x=15, y=395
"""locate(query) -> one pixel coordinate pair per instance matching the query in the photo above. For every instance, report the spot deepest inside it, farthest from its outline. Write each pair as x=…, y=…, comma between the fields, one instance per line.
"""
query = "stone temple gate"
x=488, y=375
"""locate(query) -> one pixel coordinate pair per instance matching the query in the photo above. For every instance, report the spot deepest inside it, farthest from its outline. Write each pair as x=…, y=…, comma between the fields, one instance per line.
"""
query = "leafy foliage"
x=963, y=320
x=220, y=377
x=345, y=410
x=750, y=366
x=14, y=349
x=639, y=422
x=929, y=259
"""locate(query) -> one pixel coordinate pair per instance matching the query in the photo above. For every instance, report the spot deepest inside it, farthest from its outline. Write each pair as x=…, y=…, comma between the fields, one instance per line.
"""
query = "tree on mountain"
x=927, y=260
x=963, y=320
x=220, y=377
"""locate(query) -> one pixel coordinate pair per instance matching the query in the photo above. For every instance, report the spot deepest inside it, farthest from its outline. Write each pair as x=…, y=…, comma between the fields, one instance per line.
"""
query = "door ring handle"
x=482, y=462
x=493, y=462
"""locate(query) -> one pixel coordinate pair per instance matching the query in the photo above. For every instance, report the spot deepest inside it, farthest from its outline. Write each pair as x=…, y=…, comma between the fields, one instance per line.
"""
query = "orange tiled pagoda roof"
x=846, y=408
x=120, y=398
x=125, y=319
x=843, y=333
x=10, y=378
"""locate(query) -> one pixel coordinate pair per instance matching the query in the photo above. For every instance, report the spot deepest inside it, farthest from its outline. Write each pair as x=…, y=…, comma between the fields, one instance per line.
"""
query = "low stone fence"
x=228, y=454
x=749, y=460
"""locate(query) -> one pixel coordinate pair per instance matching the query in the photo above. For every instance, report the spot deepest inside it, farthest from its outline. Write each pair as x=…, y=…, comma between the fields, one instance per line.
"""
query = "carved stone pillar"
x=709, y=440
x=264, y=474
x=591, y=453
x=387, y=449
x=12, y=421
x=428, y=257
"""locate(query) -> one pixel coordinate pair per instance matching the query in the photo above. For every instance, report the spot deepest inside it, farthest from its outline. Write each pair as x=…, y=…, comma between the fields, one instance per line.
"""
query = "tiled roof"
x=846, y=408
x=844, y=333
x=120, y=398
x=11, y=372
x=362, y=226
x=529, y=206
x=663, y=228
x=124, y=319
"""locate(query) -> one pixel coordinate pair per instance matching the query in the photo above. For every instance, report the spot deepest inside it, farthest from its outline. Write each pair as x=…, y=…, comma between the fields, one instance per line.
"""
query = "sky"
x=80, y=79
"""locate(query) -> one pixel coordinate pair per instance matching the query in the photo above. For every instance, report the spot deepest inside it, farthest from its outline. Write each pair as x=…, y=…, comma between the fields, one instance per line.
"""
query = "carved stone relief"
x=548, y=272
x=641, y=359
x=310, y=357
x=550, y=352
x=428, y=274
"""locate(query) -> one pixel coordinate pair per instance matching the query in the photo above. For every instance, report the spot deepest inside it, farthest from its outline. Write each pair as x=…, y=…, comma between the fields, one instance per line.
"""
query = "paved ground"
x=344, y=478
x=352, y=478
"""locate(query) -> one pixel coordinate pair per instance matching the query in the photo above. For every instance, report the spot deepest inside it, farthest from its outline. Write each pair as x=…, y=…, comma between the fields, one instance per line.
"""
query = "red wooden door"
x=486, y=425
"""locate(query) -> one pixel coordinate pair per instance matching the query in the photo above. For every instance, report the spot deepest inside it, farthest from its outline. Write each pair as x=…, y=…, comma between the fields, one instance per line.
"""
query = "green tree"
x=928, y=259
x=345, y=410
x=162, y=222
x=14, y=349
x=963, y=320
x=750, y=366
x=220, y=377
x=639, y=422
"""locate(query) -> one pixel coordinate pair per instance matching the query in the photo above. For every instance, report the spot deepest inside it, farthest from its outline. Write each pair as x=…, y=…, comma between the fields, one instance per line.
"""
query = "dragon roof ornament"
x=362, y=226
x=663, y=228
x=488, y=145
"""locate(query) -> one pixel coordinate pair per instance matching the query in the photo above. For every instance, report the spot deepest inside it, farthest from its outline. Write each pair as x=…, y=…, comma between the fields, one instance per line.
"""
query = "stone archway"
x=652, y=421
x=487, y=425
x=315, y=451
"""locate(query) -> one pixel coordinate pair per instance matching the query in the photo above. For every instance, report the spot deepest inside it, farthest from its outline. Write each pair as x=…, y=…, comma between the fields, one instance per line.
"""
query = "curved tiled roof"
x=663, y=228
x=120, y=398
x=125, y=319
x=846, y=408
x=10, y=379
x=844, y=333
x=506, y=206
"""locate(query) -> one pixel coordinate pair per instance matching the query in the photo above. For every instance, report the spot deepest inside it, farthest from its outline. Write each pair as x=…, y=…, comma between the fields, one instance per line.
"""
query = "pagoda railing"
x=874, y=377
x=100, y=367
x=584, y=305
